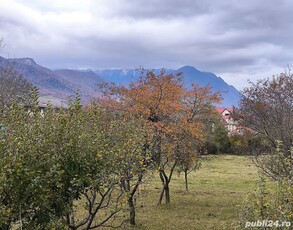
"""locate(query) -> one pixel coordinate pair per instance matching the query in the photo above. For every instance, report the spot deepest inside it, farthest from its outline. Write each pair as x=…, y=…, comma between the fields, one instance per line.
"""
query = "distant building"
x=227, y=116
x=231, y=124
x=41, y=107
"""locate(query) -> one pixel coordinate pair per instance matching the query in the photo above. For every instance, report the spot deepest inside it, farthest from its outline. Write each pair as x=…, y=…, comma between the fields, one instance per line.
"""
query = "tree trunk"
x=167, y=193
x=165, y=182
x=162, y=190
x=165, y=188
x=161, y=196
x=186, y=180
x=131, y=198
x=131, y=210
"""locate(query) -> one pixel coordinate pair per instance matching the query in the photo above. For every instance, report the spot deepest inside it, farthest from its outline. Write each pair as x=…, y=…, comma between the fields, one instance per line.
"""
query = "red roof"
x=221, y=110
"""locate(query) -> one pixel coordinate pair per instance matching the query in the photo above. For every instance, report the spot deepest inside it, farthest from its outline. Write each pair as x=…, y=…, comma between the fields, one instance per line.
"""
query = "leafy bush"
x=268, y=204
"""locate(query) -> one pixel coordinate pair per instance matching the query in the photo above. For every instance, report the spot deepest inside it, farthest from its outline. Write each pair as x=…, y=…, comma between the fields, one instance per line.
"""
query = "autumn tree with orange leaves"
x=175, y=118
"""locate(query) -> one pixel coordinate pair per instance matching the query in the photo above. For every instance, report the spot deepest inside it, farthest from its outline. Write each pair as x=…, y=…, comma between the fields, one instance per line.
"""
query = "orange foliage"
x=164, y=104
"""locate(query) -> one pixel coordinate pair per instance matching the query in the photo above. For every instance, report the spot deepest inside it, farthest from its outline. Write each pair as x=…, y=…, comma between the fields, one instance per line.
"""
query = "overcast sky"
x=237, y=40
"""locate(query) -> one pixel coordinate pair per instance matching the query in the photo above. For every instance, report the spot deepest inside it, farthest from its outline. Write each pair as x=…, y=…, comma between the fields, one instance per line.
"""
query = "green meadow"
x=216, y=193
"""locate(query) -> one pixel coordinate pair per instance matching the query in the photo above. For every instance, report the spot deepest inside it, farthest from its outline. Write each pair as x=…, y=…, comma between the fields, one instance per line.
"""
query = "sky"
x=236, y=40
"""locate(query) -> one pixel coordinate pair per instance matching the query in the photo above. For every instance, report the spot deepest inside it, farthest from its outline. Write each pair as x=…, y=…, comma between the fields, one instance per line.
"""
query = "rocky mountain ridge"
x=58, y=85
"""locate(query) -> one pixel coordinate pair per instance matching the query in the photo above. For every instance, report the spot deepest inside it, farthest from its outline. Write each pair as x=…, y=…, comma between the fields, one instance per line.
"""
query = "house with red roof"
x=227, y=116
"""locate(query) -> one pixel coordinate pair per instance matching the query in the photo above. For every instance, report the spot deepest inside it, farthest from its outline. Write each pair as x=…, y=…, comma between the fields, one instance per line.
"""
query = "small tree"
x=188, y=160
x=153, y=99
x=131, y=152
x=171, y=113
x=196, y=117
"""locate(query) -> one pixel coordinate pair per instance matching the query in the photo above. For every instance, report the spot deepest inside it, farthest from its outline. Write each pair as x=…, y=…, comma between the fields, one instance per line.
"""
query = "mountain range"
x=58, y=85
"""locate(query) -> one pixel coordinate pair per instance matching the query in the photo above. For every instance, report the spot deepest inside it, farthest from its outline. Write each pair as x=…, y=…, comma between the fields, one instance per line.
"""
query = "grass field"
x=216, y=192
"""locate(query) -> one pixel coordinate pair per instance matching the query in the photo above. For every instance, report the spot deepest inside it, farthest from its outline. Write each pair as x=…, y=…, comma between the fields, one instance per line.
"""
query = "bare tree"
x=267, y=107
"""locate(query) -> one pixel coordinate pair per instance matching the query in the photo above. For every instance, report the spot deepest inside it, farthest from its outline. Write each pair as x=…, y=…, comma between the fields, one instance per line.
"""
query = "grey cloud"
x=140, y=9
x=233, y=37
